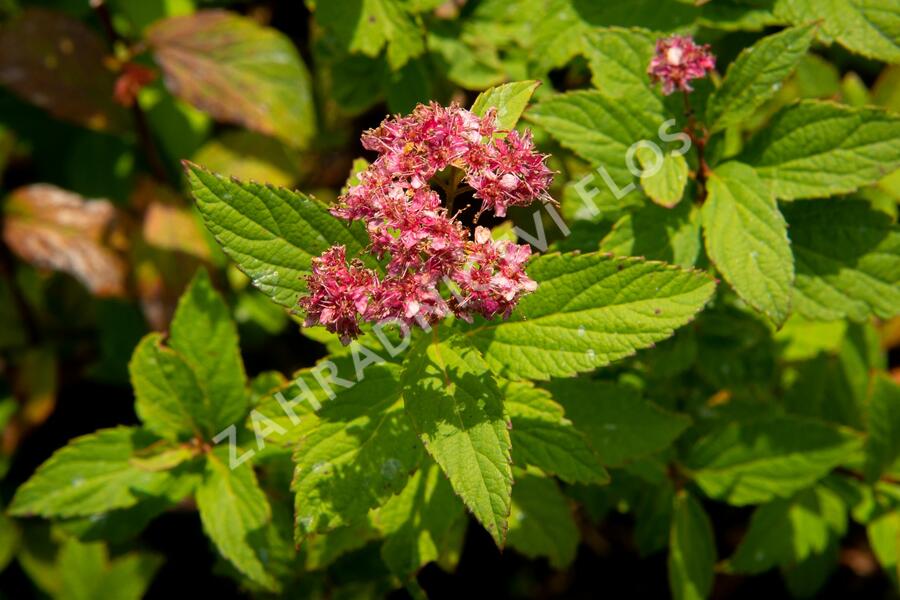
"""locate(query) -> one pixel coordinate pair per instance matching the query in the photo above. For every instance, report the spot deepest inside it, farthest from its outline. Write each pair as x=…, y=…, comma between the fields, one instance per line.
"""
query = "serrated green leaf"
x=456, y=408
x=234, y=512
x=510, y=100
x=618, y=60
x=657, y=233
x=814, y=149
x=589, y=310
x=93, y=474
x=204, y=334
x=848, y=260
x=354, y=454
x=692, y=550
x=541, y=522
x=867, y=27
x=557, y=31
x=238, y=71
x=758, y=461
x=543, y=437
x=418, y=522
x=271, y=233
x=600, y=129
x=664, y=185
x=756, y=75
x=883, y=445
x=619, y=424
x=746, y=238
x=737, y=16
x=367, y=26
x=168, y=397
x=784, y=532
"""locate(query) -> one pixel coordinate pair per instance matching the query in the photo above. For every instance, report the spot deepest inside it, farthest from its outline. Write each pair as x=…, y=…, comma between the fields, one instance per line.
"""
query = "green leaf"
x=168, y=397
x=756, y=75
x=814, y=149
x=203, y=332
x=746, y=238
x=457, y=410
x=418, y=522
x=234, y=512
x=558, y=30
x=692, y=550
x=883, y=445
x=619, y=424
x=758, y=461
x=588, y=311
x=664, y=186
x=600, y=129
x=618, y=60
x=354, y=454
x=9, y=539
x=543, y=437
x=510, y=100
x=848, y=260
x=87, y=573
x=541, y=522
x=271, y=233
x=366, y=26
x=657, y=233
x=92, y=474
x=785, y=532
x=884, y=537
x=237, y=71
x=867, y=27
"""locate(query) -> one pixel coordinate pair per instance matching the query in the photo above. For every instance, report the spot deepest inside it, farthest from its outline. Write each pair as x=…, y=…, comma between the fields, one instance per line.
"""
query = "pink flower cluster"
x=678, y=60
x=423, y=244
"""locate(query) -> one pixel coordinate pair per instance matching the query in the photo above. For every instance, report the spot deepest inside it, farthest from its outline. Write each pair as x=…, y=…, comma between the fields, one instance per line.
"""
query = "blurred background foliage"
x=101, y=100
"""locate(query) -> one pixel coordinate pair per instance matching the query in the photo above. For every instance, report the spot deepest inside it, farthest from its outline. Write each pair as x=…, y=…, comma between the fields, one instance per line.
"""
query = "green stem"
x=699, y=141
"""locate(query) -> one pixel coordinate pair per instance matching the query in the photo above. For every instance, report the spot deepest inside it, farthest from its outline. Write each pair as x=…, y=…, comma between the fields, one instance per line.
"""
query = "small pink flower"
x=678, y=60
x=423, y=245
x=494, y=279
x=338, y=293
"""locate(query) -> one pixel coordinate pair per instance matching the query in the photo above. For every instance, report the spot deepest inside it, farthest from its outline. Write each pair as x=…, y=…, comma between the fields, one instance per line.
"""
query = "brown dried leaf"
x=56, y=62
x=55, y=229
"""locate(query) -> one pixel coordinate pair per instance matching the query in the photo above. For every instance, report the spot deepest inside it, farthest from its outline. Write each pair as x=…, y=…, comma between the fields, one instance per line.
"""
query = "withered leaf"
x=56, y=62
x=55, y=229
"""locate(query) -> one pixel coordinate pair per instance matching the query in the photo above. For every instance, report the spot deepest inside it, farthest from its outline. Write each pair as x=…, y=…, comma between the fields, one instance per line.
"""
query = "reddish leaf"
x=57, y=63
x=237, y=71
x=55, y=229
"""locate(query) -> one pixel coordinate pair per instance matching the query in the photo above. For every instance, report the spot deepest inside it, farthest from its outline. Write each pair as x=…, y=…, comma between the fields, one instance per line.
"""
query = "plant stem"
x=7, y=269
x=699, y=141
x=140, y=119
x=452, y=188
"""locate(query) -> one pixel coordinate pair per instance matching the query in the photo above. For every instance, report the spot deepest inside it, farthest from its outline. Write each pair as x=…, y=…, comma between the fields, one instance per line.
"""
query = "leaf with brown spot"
x=55, y=229
x=56, y=62
x=237, y=71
